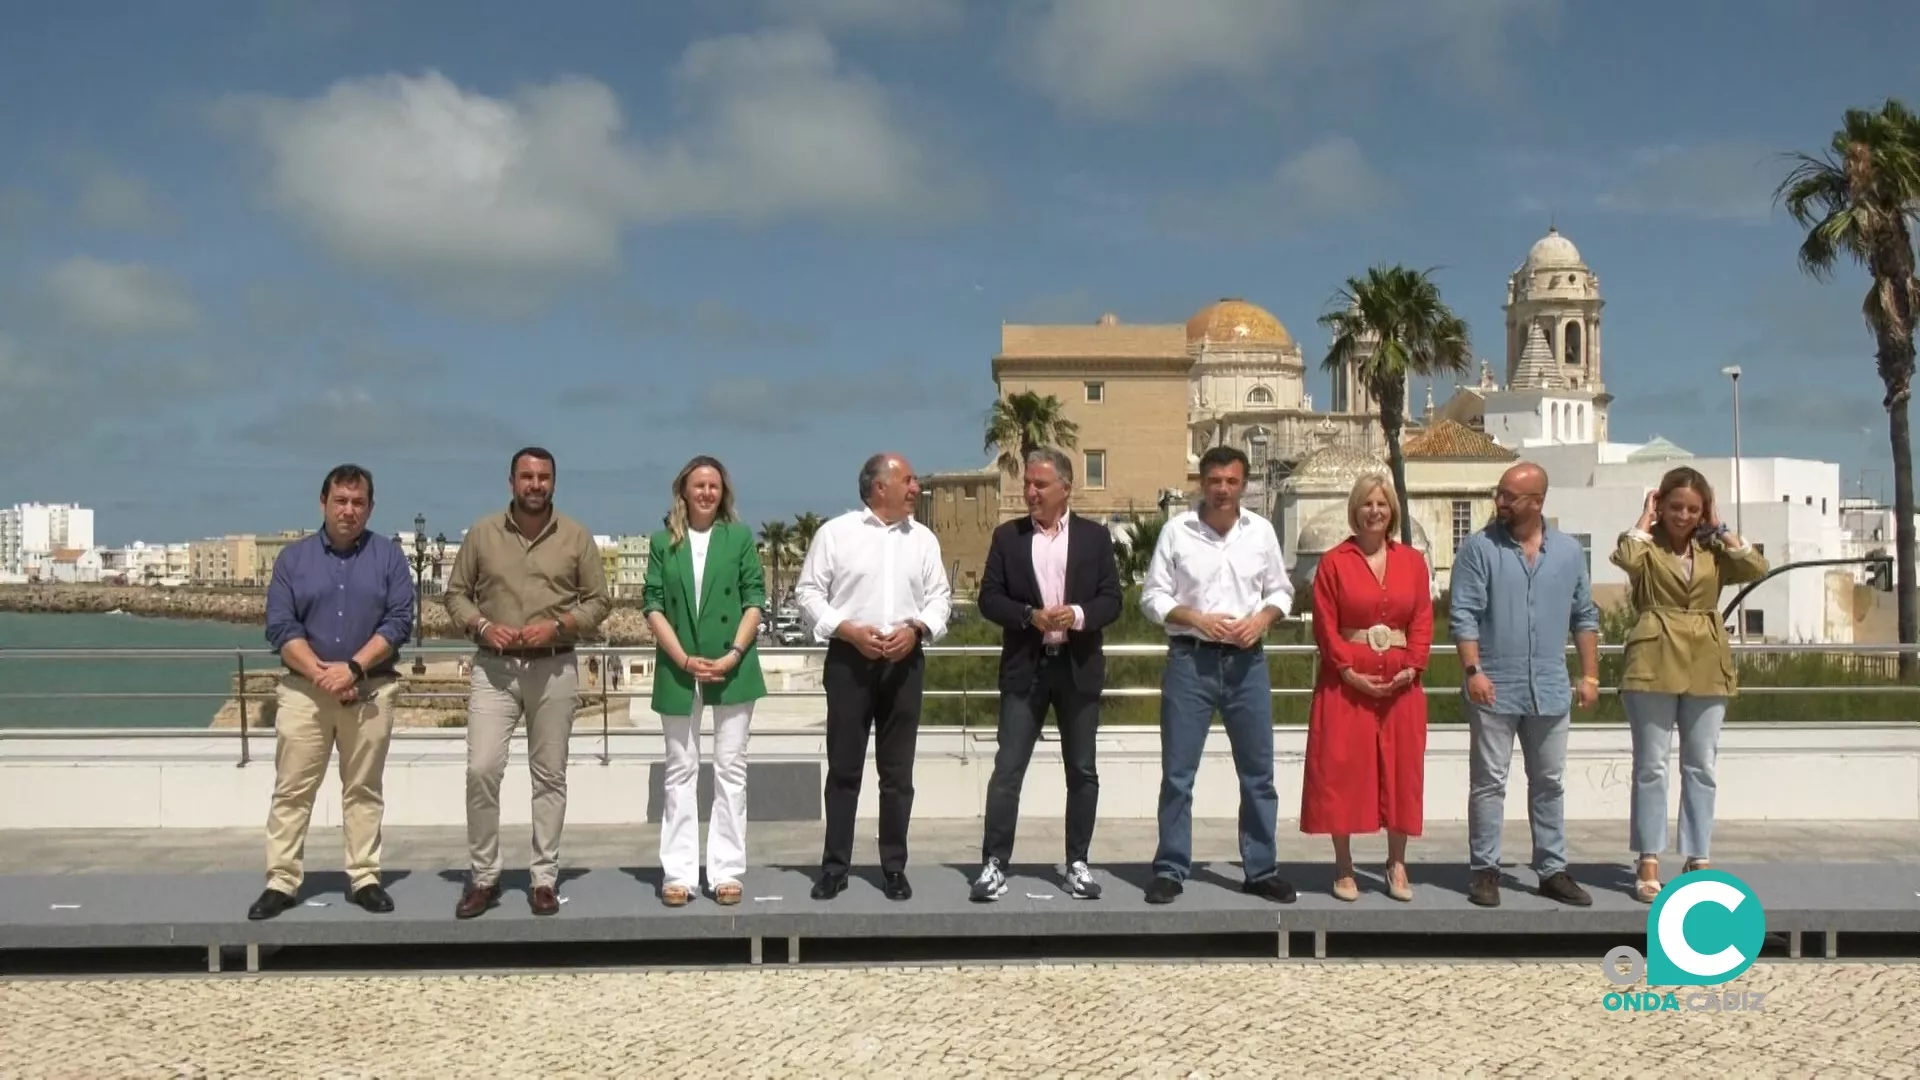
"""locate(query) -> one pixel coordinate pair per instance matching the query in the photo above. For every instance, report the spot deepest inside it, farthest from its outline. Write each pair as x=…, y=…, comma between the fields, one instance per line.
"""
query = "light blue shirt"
x=1521, y=614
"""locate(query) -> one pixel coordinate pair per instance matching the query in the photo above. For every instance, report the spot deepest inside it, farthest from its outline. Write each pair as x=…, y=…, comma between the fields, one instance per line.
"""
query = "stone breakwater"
x=624, y=626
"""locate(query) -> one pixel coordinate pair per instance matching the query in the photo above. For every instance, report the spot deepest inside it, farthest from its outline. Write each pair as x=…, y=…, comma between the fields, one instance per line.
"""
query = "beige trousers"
x=309, y=723
x=501, y=691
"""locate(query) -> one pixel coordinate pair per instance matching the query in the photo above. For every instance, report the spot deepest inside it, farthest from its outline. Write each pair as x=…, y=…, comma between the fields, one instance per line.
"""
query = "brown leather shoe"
x=1563, y=888
x=1485, y=890
x=545, y=901
x=475, y=902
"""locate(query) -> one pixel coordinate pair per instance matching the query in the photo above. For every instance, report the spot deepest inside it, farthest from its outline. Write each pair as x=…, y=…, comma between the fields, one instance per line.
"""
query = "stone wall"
x=249, y=606
x=411, y=708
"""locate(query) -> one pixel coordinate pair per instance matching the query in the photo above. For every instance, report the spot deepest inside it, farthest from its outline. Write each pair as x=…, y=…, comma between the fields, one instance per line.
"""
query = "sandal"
x=1344, y=887
x=1697, y=863
x=727, y=892
x=1646, y=889
x=676, y=895
x=1400, y=888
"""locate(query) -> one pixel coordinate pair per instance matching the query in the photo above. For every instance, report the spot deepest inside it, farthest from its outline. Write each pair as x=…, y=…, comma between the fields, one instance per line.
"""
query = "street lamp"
x=1732, y=371
x=424, y=555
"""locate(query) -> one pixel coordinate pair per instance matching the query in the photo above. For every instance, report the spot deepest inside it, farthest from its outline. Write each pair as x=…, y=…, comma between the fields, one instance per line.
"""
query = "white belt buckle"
x=1380, y=637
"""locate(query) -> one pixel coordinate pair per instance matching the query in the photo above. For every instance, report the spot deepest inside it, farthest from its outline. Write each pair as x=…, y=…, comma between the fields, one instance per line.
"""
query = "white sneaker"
x=1080, y=882
x=991, y=884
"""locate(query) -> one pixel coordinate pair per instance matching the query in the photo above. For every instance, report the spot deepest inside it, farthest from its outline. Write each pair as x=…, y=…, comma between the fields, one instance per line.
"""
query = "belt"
x=522, y=654
x=1379, y=637
x=1053, y=648
x=1218, y=646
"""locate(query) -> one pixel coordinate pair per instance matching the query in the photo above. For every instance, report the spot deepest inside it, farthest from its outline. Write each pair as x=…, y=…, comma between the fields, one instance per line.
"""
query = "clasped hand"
x=710, y=671
x=338, y=680
x=1056, y=618
x=1378, y=688
x=1241, y=632
x=895, y=644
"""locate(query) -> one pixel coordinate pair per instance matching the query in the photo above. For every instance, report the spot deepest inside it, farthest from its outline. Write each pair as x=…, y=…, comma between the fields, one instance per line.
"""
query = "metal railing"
x=265, y=664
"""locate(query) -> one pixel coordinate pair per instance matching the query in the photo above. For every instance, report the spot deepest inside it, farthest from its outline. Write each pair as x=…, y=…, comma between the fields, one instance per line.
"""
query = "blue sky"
x=242, y=242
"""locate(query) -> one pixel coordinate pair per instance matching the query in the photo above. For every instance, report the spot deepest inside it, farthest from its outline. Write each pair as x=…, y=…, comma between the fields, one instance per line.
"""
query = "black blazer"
x=1010, y=587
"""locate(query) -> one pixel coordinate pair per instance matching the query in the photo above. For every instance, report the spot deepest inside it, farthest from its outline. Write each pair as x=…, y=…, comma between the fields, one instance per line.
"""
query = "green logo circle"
x=1705, y=928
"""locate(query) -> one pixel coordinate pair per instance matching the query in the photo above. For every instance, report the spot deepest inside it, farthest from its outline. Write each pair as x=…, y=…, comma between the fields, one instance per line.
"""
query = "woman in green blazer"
x=703, y=598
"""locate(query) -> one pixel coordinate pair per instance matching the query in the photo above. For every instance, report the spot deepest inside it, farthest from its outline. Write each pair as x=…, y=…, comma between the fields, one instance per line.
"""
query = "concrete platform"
x=208, y=910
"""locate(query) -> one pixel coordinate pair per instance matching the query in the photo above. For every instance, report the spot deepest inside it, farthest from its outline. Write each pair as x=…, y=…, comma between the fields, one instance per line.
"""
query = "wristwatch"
x=1472, y=670
x=359, y=673
x=737, y=651
x=1031, y=611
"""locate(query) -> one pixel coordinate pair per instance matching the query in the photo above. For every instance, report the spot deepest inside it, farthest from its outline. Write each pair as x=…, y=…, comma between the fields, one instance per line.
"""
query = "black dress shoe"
x=373, y=898
x=271, y=902
x=1163, y=889
x=1272, y=887
x=829, y=886
x=1563, y=888
x=1485, y=888
x=897, y=886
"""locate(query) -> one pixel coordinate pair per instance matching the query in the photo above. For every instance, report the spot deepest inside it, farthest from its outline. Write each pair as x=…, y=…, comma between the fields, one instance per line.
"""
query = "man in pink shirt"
x=1052, y=586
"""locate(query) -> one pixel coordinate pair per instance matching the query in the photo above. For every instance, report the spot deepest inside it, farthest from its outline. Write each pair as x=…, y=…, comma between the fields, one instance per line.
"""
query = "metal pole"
x=606, y=687
x=1739, y=524
x=246, y=755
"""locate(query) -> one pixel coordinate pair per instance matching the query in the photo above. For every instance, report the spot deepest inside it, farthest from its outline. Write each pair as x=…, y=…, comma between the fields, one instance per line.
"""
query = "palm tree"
x=1860, y=198
x=1025, y=422
x=776, y=539
x=1395, y=324
x=804, y=526
x=1135, y=553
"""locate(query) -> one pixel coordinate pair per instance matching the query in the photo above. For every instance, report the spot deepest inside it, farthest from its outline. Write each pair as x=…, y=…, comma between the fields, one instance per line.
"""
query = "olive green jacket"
x=730, y=584
x=1678, y=645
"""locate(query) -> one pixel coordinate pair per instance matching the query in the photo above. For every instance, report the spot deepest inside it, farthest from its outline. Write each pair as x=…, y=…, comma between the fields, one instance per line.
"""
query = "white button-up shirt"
x=1234, y=575
x=860, y=568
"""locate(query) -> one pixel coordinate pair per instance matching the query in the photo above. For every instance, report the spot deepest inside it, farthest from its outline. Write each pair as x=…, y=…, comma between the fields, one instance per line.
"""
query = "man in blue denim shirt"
x=1519, y=586
x=339, y=606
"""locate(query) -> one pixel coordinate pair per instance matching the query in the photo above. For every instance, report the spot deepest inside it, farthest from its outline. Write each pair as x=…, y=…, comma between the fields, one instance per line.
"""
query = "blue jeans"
x=1652, y=718
x=1543, y=743
x=1200, y=680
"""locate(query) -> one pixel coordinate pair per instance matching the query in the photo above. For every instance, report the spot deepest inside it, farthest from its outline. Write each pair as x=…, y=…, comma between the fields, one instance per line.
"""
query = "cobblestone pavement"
x=1211, y=1020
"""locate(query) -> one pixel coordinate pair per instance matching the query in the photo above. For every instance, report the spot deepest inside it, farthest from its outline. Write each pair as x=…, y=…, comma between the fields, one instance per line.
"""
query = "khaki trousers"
x=500, y=692
x=309, y=723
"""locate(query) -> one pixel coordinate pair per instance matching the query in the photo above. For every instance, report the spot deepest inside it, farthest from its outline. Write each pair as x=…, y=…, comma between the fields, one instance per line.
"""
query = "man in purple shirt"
x=339, y=607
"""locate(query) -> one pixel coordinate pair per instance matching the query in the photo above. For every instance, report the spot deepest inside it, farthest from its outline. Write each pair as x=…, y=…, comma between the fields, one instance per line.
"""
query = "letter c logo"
x=1715, y=910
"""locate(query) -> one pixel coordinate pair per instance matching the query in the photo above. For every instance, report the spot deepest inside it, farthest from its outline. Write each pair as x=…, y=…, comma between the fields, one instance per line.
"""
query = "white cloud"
x=1111, y=58
x=119, y=299
x=114, y=200
x=1724, y=180
x=416, y=174
x=899, y=16
x=1329, y=178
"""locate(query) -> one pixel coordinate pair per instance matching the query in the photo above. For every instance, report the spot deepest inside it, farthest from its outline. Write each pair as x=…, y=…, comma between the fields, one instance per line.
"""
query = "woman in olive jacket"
x=703, y=598
x=1679, y=670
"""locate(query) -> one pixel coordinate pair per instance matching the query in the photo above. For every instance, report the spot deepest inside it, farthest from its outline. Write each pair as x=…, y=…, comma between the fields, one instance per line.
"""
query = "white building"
x=630, y=569
x=31, y=532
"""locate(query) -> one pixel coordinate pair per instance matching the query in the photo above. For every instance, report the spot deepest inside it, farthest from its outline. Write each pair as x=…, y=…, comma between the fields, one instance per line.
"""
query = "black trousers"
x=1077, y=715
x=864, y=695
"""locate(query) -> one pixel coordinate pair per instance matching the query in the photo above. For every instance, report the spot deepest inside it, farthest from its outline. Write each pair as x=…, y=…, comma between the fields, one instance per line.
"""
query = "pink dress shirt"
x=1050, y=568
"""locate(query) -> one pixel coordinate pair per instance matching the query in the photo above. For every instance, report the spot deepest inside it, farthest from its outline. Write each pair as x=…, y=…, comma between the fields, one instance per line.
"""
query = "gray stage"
x=118, y=911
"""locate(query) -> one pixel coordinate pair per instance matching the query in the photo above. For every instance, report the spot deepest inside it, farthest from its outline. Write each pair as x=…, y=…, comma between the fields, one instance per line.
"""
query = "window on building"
x=1756, y=622
x=1462, y=522
x=1571, y=339
x=1096, y=468
x=1259, y=395
x=1096, y=393
x=1823, y=505
x=1257, y=454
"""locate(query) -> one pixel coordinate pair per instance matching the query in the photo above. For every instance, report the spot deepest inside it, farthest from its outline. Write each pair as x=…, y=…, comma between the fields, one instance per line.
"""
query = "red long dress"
x=1366, y=756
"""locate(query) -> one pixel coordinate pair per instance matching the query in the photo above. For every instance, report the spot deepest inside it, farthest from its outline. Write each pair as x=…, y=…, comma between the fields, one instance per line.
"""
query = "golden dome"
x=1235, y=323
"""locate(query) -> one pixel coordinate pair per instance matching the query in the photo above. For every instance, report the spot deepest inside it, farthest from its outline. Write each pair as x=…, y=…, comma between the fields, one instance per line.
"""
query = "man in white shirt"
x=1217, y=583
x=872, y=588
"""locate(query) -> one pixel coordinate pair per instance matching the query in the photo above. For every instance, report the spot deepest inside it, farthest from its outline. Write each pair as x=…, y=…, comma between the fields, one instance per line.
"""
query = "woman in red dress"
x=1367, y=738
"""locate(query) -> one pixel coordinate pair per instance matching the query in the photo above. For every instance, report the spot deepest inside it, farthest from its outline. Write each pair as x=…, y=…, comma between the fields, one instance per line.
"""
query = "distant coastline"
x=245, y=606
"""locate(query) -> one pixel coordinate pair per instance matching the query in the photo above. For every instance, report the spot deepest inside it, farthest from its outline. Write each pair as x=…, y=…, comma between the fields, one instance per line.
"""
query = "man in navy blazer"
x=1052, y=586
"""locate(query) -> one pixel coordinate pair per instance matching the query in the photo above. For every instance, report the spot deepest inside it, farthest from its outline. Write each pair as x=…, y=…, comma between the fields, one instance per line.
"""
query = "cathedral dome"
x=1553, y=251
x=1333, y=469
x=1329, y=527
x=1234, y=323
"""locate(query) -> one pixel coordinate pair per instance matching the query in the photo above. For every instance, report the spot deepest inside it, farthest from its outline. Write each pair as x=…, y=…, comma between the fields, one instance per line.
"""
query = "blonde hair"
x=1365, y=486
x=678, y=517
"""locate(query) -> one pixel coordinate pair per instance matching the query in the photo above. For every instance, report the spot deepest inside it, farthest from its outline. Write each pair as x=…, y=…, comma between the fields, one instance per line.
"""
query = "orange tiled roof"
x=1454, y=440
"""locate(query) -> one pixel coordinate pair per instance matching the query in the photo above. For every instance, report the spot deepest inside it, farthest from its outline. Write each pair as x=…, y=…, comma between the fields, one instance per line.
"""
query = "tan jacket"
x=503, y=576
x=1679, y=645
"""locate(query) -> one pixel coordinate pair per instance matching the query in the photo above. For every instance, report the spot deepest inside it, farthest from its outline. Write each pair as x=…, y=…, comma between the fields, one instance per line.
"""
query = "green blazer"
x=730, y=584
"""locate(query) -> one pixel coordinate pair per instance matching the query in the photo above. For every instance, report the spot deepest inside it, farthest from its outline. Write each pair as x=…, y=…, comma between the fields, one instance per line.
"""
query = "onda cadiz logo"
x=1705, y=928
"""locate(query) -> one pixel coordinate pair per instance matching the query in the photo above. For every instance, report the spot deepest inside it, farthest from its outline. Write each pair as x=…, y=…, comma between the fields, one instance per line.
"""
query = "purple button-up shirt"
x=336, y=600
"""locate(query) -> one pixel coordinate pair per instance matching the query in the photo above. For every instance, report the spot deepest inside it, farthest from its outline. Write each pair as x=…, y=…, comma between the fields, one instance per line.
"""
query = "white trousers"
x=680, y=815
